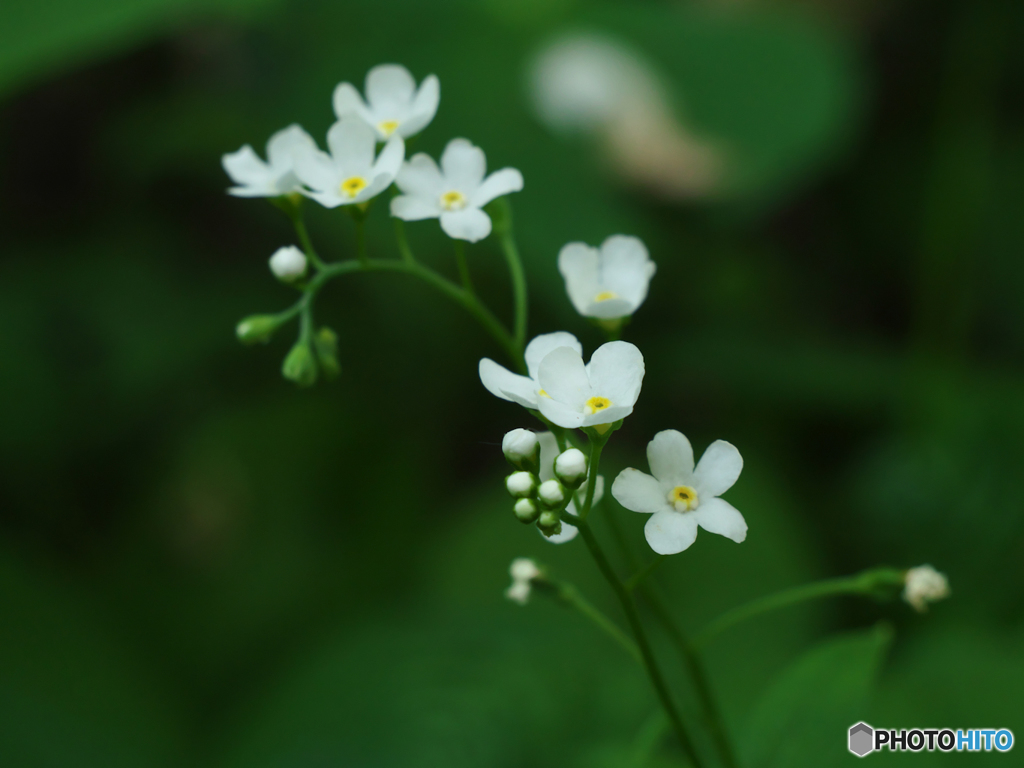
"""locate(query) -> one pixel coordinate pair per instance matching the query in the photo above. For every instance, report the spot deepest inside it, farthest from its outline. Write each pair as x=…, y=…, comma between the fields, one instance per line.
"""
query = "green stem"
x=637, y=578
x=874, y=582
x=596, y=446
x=515, y=268
x=361, y=240
x=403, y=241
x=633, y=617
x=299, y=222
x=460, y=259
x=571, y=596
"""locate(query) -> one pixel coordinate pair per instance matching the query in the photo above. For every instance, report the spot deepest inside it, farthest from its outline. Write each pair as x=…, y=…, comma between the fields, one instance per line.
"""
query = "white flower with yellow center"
x=548, y=453
x=592, y=395
x=276, y=176
x=525, y=390
x=924, y=585
x=609, y=282
x=680, y=498
x=393, y=105
x=349, y=174
x=455, y=192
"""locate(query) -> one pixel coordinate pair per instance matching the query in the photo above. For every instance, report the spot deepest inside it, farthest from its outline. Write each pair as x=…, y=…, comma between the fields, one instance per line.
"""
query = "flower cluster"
x=352, y=172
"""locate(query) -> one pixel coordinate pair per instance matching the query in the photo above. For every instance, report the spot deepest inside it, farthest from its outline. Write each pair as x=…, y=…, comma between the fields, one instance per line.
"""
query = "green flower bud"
x=257, y=328
x=552, y=494
x=549, y=523
x=526, y=510
x=300, y=365
x=326, y=343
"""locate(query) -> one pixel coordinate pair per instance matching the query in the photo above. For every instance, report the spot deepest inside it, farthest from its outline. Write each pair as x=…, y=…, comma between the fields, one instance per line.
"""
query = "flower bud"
x=526, y=510
x=288, y=264
x=925, y=585
x=326, y=343
x=552, y=493
x=521, y=484
x=257, y=328
x=523, y=569
x=549, y=523
x=300, y=365
x=571, y=468
x=522, y=449
x=519, y=592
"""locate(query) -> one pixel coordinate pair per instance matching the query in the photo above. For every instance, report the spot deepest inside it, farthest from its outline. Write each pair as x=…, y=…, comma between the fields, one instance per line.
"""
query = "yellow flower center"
x=543, y=393
x=353, y=186
x=453, y=201
x=683, y=498
x=387, y=127
x=596, y=404
x=605, y=295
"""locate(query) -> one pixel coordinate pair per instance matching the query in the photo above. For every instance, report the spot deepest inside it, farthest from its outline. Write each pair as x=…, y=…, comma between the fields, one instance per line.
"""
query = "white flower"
x=679, y=497
x=349, y=174
x=601, y=392
x=523, y=572
x=610, y=282
x=548, y=453
x=925, y=585
x=525, y=390
x=393, y=105
x=288, y=263
x=256, y=178
x=455, y=192
x=520, y=448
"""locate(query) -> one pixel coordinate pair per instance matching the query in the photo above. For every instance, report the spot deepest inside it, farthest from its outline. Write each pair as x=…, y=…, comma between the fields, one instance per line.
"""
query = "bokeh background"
x=202, y=565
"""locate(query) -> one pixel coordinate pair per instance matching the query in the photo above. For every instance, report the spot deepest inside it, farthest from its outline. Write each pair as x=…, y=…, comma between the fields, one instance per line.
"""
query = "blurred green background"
x=201, y=565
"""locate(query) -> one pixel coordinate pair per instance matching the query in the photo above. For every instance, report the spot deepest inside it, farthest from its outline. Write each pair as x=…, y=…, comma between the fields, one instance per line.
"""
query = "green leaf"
x=803, y=717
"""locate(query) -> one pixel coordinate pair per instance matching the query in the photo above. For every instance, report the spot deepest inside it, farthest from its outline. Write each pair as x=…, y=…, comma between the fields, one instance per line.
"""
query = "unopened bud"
x=300, y=365
x=526, y=510
x=257, y=328
x=571, y=468
x=521, y=484
x=522, y=449
x=326, y=343
x=523, y=569
x=925, y=585
x=549, y=523
x=288, y=263
x=552, y=493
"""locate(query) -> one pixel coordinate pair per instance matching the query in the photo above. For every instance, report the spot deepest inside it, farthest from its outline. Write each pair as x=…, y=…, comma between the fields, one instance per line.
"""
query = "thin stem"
x=569, y=594
x=460, y=258
x=403, y=241
x=873, y=582
x=299, y=222
x=637, y=578
x=361, y=239
x=650, y=663
x=515, y=268
x=596, y=446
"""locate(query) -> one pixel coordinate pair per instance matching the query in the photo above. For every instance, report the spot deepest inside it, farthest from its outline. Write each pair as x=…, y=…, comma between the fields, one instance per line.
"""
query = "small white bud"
x=522, y=449
x=526, y=510
x=925, y=585
x=521, y=484
x=288, y=263
x=519, y=592
x=523, y=569
x=571, y=468
x=552, y=493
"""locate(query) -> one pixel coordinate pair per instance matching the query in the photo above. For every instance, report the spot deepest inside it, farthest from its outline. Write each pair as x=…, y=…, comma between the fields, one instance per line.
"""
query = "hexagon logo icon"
x=862, y=739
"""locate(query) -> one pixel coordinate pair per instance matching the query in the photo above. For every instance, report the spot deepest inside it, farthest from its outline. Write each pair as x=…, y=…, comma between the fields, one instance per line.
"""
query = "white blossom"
x=288, y=263
x=455, y=192
x=679, y=497
x=548, y=453
x=609, y=282
x=276, y=176
x=521, y=484
x=393, y=104
x=519, y=445
x=525, y=390
x=925, y=585
x=601, y=392
x=350, y=173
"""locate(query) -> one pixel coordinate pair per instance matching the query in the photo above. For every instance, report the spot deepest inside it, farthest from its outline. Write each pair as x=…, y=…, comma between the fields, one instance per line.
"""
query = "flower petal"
x=541, y=345
x=560, y=413
x=639, y=492
x=548, y=453
x=501, y=382
x=626, y=268
x=352, y=143
x=389, y=161
x=671, y=458
x=389, y=86
x=564, y=377
x=420, y=176
x=609, y=309
x=607, y=416
x=347, y=101
x=464, y=166
x=617, y=372
x=669, y=533
x=245, y=167
x=497, y=184
x=469, y=224
x=410, y=208
x=424, y=107
x=721, y=517
x=568, y=533
x=316, y=170
x=717, y=470
x=578, y=264
x=284, y=144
